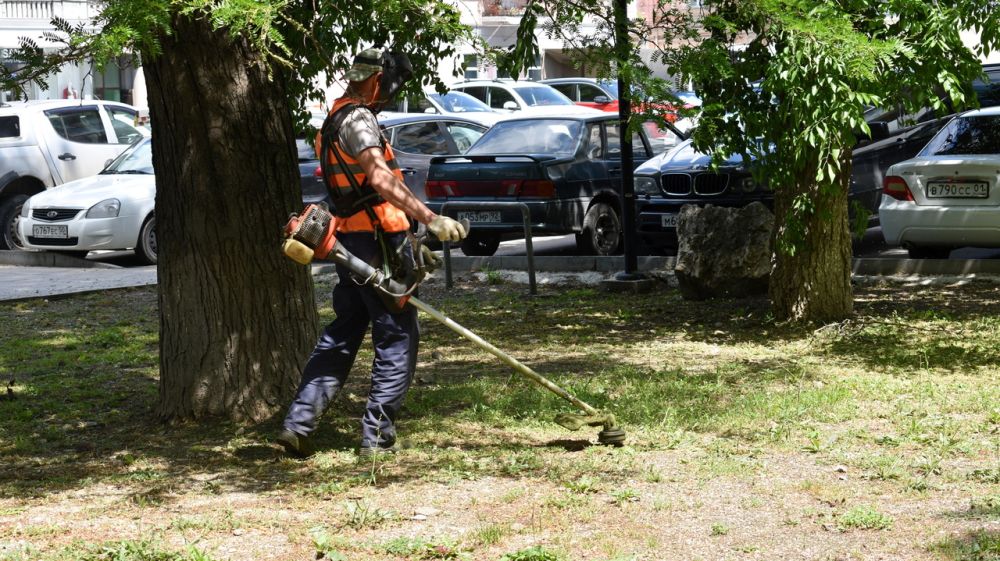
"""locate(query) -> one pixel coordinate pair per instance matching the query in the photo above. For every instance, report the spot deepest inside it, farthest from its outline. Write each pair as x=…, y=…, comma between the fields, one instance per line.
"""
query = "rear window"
x=10, y=127
x=544, y=136
x=966, y=136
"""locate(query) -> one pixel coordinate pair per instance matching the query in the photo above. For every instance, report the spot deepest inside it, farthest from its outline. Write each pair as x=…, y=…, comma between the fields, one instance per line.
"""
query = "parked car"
x=588, y=92
x=112, y=210
x=451, y=103
x=603, y=95
x=310, y=178
x=525, y=98
x=682, y=177
x=567, y=170
x=47, y=143
x=949, y=195
x=417, y=138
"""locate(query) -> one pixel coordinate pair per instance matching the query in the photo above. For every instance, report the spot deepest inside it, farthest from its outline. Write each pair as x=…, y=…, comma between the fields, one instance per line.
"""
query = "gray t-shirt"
x=359, y=132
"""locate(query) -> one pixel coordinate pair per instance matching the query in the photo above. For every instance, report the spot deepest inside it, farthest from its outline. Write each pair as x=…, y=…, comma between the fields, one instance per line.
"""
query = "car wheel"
x=602, y=231
x=10, y=210
x=480, y=244
x=145, y=246
x=929, y=252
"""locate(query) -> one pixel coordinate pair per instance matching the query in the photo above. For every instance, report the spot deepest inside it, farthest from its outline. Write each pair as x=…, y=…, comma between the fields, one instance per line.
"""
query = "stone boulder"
x=723, y=252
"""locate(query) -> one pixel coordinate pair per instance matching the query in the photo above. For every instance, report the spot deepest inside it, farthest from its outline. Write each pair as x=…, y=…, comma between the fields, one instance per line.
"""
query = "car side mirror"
x=510, y=105
x=430, y=110
x=602, y=99
x=108, y=162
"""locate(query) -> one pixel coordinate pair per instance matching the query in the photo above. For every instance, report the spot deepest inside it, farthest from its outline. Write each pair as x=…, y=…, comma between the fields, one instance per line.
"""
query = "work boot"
x=295, y=444
x=369, y=452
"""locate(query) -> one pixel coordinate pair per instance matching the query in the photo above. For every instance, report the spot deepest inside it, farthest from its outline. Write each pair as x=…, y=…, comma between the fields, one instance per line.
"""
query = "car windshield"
x=535, y=96
x=966, y=136
x=460, y=102
x=137, y=159
x=557, y=137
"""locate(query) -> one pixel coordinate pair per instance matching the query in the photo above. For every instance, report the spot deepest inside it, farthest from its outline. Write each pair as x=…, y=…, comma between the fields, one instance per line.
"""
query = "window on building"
x=470, y=65
x=108, y=83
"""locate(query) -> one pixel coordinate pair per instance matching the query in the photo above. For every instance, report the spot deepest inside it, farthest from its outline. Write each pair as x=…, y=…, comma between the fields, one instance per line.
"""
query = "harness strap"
x=363, y=195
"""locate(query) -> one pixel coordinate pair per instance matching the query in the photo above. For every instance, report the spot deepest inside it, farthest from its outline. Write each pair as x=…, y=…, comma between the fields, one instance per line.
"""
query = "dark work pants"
x=394, y=335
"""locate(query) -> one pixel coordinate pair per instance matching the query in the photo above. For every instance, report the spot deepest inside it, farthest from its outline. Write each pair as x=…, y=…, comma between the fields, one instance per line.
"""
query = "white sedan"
x=948, y=196
x=111, y=210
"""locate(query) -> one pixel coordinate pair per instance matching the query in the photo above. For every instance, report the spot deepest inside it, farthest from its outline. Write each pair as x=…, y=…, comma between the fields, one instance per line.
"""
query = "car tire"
x=9, y=212
x=602, y=231
x=929, y=252
x=145, y=246
x=480, y=244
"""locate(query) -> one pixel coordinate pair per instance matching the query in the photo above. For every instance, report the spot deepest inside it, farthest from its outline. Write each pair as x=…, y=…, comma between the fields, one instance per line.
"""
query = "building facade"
x=32, y=19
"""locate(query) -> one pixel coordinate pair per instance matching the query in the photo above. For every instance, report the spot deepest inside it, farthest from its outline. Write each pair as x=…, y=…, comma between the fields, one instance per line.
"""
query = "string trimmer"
x=313, y=235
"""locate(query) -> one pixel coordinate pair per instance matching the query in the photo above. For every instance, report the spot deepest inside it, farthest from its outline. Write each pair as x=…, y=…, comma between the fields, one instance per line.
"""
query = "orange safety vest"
x=388, y=216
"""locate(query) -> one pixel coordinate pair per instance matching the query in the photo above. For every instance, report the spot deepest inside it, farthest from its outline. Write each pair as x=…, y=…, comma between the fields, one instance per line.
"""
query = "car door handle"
x=614, y=170
x=408, y=171
x=67, y=156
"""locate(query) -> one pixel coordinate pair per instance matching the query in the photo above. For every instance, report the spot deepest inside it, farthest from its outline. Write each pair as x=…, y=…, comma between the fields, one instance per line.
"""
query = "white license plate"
x=44, y=231
x=958, y=190
x=480, y=216
x=668, y=220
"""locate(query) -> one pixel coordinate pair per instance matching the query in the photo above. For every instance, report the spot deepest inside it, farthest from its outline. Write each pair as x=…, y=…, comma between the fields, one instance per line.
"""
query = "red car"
x=599, y=94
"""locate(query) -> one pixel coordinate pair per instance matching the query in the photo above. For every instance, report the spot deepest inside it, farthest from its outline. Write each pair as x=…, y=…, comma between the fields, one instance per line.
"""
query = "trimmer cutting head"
x=612, y=435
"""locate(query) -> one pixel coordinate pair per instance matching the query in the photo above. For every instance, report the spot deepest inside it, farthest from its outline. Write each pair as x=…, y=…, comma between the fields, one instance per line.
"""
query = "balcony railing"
x=504, y=7
x=27, y=9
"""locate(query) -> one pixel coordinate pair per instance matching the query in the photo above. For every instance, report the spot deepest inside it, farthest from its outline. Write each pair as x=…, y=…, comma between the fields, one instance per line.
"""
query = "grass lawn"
x=876, y=438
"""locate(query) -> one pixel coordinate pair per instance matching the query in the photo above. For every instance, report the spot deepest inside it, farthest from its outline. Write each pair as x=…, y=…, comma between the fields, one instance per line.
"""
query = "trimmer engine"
x=310, y=235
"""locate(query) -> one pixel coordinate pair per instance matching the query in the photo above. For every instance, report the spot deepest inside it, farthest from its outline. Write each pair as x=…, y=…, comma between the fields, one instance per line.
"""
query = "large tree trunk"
x=814, y=283
x=237, y=318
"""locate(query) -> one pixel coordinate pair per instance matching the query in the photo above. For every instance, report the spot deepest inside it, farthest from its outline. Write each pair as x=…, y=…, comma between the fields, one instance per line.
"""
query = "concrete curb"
x=49, y=259
x=930, y=267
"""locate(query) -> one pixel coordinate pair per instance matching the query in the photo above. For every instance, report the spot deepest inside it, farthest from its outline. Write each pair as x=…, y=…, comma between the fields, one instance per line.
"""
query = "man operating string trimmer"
x=372, y=204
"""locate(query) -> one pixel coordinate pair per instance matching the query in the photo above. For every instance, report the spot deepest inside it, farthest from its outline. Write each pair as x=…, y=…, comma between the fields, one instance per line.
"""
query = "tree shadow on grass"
x=85, y=390
x=977, y=545
x=945, y=328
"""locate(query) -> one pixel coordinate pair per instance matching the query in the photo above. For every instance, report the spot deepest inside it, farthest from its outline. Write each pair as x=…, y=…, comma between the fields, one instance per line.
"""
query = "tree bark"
x=814, y=283
x=237, y=318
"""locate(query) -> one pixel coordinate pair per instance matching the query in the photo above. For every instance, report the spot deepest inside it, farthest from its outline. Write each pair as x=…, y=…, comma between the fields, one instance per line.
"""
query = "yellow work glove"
x=431, y=261
x=446, y=229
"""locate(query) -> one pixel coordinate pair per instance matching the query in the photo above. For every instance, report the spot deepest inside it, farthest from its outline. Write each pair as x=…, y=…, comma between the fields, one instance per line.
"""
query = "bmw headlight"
x=748, y=184
x=108, y=208
x=645, y=186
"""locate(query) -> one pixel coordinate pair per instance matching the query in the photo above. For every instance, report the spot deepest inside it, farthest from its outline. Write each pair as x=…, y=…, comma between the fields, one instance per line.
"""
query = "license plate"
x=480, y=216
x=958, y=190
x=668, y=220
x=42, y=231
